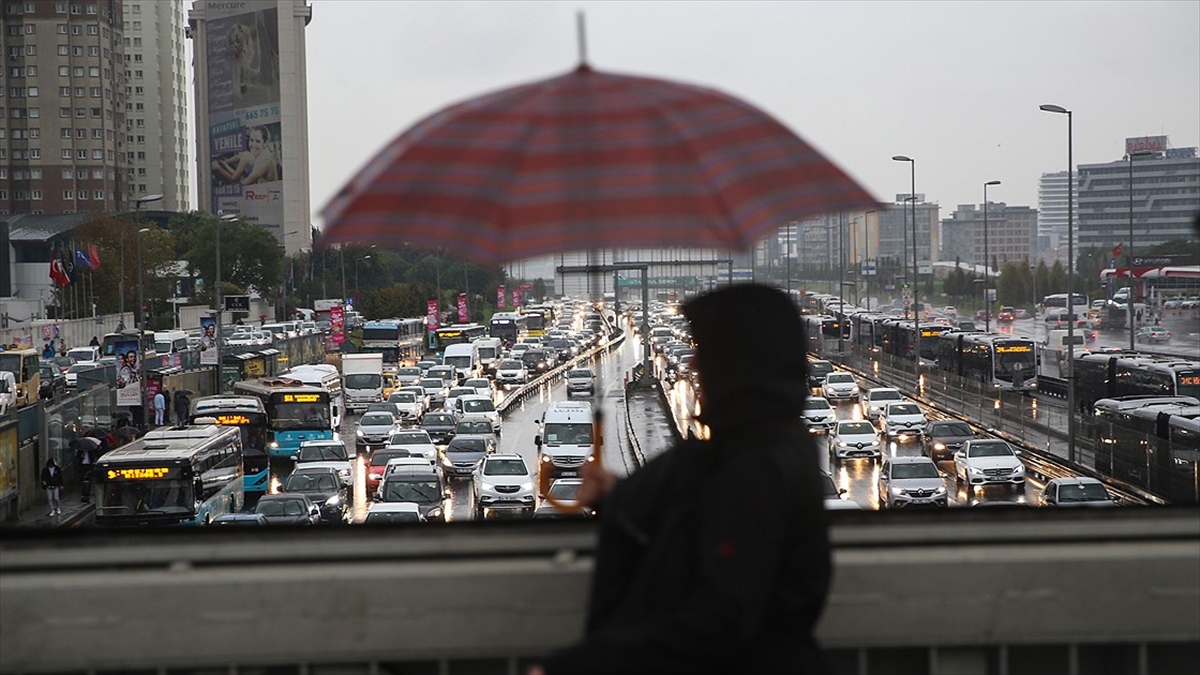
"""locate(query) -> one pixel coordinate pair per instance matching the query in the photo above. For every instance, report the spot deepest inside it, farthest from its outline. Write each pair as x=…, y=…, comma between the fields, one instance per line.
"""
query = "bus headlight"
x=273, y=444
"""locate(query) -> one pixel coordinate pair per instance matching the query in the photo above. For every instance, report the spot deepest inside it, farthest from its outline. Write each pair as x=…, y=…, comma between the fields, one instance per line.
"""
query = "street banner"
x=499, y=297
x=129, y=379
x=337, y=325
x=208, y=340
x=464, y=314
x=516, y=297
x=431, y=311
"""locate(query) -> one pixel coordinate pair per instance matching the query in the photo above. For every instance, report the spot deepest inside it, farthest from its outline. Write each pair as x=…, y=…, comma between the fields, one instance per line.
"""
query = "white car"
x=328, y=453
x=436, y=391
x=902, y=419
x=453, y=395
x=416, y=442
x=503, y=482
x=511, y=371
x=409, y=405
x=840, y=387
x=476, y=407
x=874, y=400
x=987, y=461
x=835, y=497
x=818, y=414
x=407, y=376
x=854, y=439
x=481, y=385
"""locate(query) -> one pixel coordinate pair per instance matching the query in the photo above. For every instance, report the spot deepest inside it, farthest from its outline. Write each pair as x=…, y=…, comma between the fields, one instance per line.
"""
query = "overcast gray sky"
x=955, y=85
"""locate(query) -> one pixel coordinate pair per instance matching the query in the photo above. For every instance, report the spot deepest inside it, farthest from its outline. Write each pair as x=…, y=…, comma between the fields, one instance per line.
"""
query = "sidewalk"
x=74, y=511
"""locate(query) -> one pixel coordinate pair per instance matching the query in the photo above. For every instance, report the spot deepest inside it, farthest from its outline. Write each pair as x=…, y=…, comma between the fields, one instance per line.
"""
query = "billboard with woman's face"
x=208, y=341
x=129, y=373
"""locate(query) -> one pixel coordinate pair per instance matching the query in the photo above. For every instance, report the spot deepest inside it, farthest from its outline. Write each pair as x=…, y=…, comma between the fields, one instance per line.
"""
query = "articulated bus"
x=997, y=361
x=250, y=417
x=825, y=333
x=899, y=338
x=183, y=476
x=24, y=364
x=396, y=339
x=1150, y=441
x=458, y=333
x=509, y=327
x=296, y=412
x=1099, y=376
x=867, y=329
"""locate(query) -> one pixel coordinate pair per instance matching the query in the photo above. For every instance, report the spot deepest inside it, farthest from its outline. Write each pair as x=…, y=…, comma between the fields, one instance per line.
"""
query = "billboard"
x=499, y=297
x=208, y=340
x=245, y=152
x=463, y=312
x=1146, y=144
x=337, y=324
x=431, y=314
x=129, y=373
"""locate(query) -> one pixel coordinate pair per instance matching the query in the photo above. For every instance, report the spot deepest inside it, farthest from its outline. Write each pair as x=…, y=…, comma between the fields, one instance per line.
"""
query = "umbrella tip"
x=581, y=32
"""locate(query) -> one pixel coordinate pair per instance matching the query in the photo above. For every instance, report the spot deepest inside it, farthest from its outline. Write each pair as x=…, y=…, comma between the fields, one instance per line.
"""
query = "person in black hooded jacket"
x=714, y=557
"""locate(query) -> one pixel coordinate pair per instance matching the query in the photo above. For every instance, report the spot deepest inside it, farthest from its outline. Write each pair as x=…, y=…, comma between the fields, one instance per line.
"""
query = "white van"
x=565, y=442
x=490, y=349
x=84, y=354
x=465, y=359
x=170, y=341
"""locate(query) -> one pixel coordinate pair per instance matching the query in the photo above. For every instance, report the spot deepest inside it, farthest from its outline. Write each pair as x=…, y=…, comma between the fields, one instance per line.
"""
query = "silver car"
x=840, y=387
x=818, y=414
x=985, y=461
x=874, y=400
x=902, y=419
x=1075, y=491
x=854, y=439
x=911, y=481
x=374, y=428
x=503, y=482
x=581, y=380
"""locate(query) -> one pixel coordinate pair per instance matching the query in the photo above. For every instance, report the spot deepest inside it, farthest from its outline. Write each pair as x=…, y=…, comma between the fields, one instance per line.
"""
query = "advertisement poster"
x=431, y=314
x=516, y=297
x=246, y=156
x=208, y=340
x=337, y=324
x=8, y=462
x=499, y=297
x=464, y=314
x=129, y=379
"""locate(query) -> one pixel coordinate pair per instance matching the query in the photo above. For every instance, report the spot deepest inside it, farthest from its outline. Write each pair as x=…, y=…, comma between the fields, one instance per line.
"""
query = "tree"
x=114, y=238
x=1042, y=280
x=539, y=288
x=251, y=258
x=1013, y=284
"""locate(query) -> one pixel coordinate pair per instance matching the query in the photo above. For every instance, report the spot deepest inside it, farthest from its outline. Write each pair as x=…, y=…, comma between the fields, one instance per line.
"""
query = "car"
x=72, y=374
x=1075, y=491
x=425, y=364
x=854, y=439
x=943, y=438
x=818, y=415
x=440, y=426
x=817, y=370
x=329, y=453
x=835, y=497
x=436, y=392
x=393, y=512
x=984, y=315
x=476, y=407
x=288, y=508
x=906, y=482
x=463, y=453
x=561, y=501
x=417, y=485
x=473, y=427
x=374, y=428
x=1021, y=313
x=377, y=464
x=536, y=360
x=950, y=311
x=240, y=519
x=902, y=419
x=511, y=371
x=581, y=380
x=988, y=461
x=481, y=385
x=448, y=374
x=964, y=325
x=406, y=376
x=415, y=461
x=324, y=486
x=53, y=381
x=452, y=397
x=502, y=482
x=1007, y=315
x=417, y=442
x=840, y=387
x=1150, y=334
x=873, y=401
x=408, y=404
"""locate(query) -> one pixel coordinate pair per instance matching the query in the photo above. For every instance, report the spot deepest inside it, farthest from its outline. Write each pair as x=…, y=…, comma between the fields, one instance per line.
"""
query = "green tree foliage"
x=539, y=288
x=251, y=258
x=113, y=239
x=1014, y=286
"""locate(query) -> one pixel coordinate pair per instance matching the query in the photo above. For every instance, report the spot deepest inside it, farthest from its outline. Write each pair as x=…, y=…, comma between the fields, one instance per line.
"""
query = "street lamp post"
x=916, y=297
x=1050, y=107
x=987, y=269
x=356, y=263
x=867, y=251
x=221, y=218
x=137, y=220
x=1129, y=254
x=141, y=303
x=342, y=252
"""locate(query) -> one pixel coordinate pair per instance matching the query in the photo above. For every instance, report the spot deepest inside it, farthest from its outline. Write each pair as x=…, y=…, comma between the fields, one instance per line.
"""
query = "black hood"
x=749, y=355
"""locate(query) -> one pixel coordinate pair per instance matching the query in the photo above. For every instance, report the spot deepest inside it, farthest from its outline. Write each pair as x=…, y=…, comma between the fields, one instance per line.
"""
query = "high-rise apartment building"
x=1052, y=215
x=1009, y=234
x=156, y=114
x=62, y=107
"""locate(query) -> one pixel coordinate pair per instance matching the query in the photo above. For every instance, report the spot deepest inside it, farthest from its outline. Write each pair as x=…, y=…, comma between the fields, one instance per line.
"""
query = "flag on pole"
x=82, y=260
x=58, y=273
x=1117, y=251
x=68, y=263
x=94, y=256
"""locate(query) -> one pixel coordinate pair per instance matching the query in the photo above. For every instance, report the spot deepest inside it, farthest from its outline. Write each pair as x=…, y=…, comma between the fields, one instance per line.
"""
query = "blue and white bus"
x=182, y=476
x=296, y=412
x=248, y=415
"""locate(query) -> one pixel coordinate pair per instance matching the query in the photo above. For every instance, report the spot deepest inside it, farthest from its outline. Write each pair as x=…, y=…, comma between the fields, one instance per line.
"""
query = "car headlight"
x=899, y=492
x=273, y=444
x=843, y=444
x=545, y=458
x=940, y=491
x=939, y=446
x=527, y=486
x=1020, y=468
x=435, y=512
x=358, y=432
x=375, y=476
x=975, y=469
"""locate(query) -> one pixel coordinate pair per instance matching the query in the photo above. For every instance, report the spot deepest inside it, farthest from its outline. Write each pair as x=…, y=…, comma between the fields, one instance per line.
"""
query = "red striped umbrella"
x=588, y=160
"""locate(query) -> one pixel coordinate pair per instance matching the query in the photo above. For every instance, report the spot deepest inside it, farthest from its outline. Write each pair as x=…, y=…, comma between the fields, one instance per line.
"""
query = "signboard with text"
x=337, y=324
x=499, y=297
x=464, y=313
x=431, y=315
x=1145, y=144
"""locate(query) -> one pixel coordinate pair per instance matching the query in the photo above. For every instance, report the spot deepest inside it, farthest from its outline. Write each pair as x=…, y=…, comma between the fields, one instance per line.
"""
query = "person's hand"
x=597, y=481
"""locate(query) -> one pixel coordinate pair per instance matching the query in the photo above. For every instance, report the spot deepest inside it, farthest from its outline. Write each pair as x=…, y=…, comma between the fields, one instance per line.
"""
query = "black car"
x=536, y=361
x=942, y=438
x=423, y=487
x=440, y=426
x=324, y=487
x=461, y=455
x=288, y=509
x=53, y=382
x=817, y=370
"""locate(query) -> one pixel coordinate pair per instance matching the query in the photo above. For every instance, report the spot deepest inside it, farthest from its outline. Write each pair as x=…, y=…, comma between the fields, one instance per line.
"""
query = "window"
x=14, y=29
x=3, y=133
x=141, y=122
x=33, y=92
x=16, y=71
x=141, y=172
x=94, y=71
x=30, y=50
x=95, y=112
x=98, y=133
x=97, y=173
x=60, y=8
x=81, y=112
x=98, y=194
x=68, y=194
x=35, y=174
x=68, y=174
x=140, y=106
x=62, y=29
x=64, y=92
x=14, y=52
x=81, y=133
x=64, y=71
x=137, y=57
x=83, y=194
x=35, y=132
x=93, y=29
x=37, y=195
x=93, y=51
x=64, y=50
x=30, y=29
x=139, y=90
x=81, y=153
x=35, y=112
x=141, y=155
x=31, y=71
x=137, y=25
x=79, y=92
x=35, y=153
x=76, y=30
x=97, y=154
x=77, y=71
x=96, y=92
x=141, y=139
x=66, y=153
x=91, y=9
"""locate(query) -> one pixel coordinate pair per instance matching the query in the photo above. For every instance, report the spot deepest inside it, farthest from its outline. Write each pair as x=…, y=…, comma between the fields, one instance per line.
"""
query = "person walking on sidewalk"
x=52, y=481
x=160, y=408
x=182, y=403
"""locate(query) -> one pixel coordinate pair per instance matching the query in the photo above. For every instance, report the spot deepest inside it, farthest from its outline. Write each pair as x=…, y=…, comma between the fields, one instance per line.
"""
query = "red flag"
x=94, y=256
x=58, y=273
x=1117, y=251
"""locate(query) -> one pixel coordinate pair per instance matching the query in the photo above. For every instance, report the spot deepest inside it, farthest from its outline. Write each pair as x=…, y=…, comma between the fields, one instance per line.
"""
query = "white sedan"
x=902, y=419
x=840, y=387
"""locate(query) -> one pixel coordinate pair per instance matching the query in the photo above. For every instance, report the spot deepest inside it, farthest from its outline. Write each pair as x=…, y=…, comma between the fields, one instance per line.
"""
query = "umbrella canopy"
x=588, y=160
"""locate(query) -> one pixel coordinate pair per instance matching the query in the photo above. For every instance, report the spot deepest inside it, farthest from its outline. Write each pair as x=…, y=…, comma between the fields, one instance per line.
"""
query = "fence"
x=72, y=333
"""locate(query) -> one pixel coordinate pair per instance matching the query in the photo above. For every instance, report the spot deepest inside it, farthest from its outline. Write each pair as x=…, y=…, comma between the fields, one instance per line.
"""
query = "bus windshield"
x=134, y=497
x=291, y=416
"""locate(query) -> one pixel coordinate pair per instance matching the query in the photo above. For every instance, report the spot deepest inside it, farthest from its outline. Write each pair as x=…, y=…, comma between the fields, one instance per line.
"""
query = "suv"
x=911, y=481
x=416, y=485
x=875, y=399
x=984, y=461
x=511, y=371
x=503, y=482
x=581, y=380
x=818, y=415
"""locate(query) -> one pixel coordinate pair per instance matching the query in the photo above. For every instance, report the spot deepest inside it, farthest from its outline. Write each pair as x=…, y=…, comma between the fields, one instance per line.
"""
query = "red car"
x=1007, y=315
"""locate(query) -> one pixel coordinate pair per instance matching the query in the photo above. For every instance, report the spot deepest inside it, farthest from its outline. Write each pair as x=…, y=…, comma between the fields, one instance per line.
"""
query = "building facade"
x=1160, y=206
x=1010, y=231
x=252, y=114
x=63, y=113
x=1052, y=215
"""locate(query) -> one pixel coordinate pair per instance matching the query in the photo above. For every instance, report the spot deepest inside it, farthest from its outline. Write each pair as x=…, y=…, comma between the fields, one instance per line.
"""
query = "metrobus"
x=509, y=327
x=296, y=412
x=182, y=476
x=458, y=333
x=538, y=319
x=25, y=365
x=324, y=376
x=1150, y=441
x=1099, y=376
x=997, y=361
x=898, y=337
x=824, y=333
x=396, y=339
x=250, y=417
x=867, y=329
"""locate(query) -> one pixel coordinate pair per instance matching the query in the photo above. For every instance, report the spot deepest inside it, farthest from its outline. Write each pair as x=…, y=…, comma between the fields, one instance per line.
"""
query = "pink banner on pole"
x=431, y=312
x=464, y=315
x=499, y=297
x=337, y=324
x=516, y=297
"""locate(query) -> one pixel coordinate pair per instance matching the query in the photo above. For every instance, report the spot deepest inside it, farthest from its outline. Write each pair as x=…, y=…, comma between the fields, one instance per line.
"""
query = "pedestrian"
x=95, y=342
x=48, y=350
x=52, y=481
x=182, y=404
x=160, y=408
x=683, y=581
x=166, y=405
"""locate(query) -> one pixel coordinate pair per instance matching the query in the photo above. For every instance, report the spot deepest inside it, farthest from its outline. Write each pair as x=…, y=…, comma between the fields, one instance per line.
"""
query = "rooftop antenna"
x=581, y=31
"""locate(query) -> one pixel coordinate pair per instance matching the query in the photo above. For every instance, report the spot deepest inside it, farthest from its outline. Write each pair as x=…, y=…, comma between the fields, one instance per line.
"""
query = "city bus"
x=324, y=376
x=1099, y=376
x=296, y=412
x=899, y=338
x=825, y=333
x=456, y=334
x=183, y=476
x=1150, y=441
x=25, y=365
x=250, y=417
x=538, y=319
x=508, y=327
x=996, y=361
x=1056, y=304
x=397, y=339
x=109, y=344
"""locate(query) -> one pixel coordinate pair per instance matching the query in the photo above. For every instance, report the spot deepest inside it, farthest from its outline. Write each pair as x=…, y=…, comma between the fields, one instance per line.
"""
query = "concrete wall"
x=76, y=332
